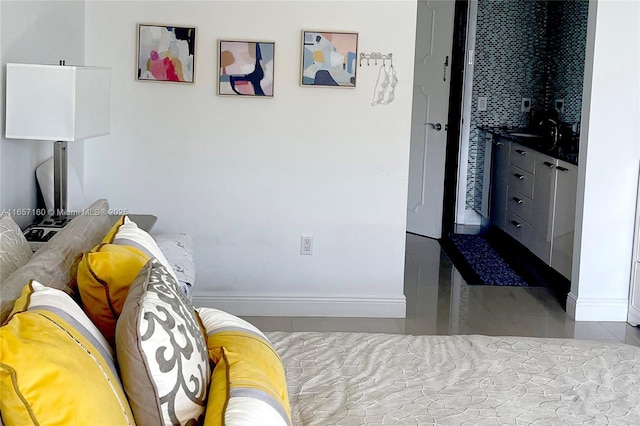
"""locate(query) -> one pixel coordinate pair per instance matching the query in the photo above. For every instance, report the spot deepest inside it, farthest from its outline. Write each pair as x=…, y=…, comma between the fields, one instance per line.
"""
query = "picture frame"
x=246, y=68
x=329, y=59
x=166, y=53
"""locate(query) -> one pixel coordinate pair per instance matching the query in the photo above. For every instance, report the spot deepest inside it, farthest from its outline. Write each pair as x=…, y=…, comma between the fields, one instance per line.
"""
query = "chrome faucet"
x=554, y=128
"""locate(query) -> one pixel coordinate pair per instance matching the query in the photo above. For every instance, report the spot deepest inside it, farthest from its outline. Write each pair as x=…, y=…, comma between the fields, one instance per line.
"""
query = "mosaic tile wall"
x=566, y=35
x=524, y=49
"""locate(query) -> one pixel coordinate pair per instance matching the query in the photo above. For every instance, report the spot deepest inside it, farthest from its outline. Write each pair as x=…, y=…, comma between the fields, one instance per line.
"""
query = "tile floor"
x=440, y=302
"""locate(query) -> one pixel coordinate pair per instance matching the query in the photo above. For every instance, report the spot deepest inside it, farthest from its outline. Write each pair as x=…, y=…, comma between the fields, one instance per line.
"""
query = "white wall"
x=609, y=165
x=2, y=102
x=35, y=32
x=246, y=177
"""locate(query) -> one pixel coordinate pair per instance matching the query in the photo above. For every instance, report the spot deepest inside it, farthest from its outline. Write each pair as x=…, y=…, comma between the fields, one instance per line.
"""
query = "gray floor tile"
x=440, y=302
x=591, y=330
x=271, y=323
x=363, y=325
x=623, y=332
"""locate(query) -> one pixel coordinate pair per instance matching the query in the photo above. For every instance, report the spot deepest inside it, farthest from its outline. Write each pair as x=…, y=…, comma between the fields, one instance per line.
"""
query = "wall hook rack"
x=376, y=56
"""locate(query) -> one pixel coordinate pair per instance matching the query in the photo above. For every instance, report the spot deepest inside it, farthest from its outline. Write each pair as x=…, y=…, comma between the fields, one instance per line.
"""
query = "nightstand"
x=39, y=233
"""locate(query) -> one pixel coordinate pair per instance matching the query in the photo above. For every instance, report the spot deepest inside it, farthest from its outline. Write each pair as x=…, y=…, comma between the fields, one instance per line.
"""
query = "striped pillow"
x=56, y=366
x=125, y=232
x=249, y=385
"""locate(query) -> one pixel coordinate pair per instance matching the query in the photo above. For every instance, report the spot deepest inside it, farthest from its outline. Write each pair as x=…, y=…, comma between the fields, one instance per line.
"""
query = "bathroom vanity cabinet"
x=499, y=176
x=533, y=198
x=564, y=213
x=545, y=183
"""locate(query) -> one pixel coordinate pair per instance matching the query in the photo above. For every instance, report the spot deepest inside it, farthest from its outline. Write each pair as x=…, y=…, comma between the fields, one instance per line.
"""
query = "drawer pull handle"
x=562, y=169
x=517, y=200
x=516, y=224
x=521, y=152
x=519, y=176
x=499, y=143
x=548, y=164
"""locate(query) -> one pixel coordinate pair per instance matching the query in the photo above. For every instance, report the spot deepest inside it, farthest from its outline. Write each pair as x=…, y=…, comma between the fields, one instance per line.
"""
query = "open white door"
x=434, y=37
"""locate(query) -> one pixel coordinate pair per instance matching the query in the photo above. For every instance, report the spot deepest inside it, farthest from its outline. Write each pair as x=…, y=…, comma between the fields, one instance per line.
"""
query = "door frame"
x=452, y=154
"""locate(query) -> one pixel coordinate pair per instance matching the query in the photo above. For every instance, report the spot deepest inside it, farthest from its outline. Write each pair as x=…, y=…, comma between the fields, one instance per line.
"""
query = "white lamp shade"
x=60, y=103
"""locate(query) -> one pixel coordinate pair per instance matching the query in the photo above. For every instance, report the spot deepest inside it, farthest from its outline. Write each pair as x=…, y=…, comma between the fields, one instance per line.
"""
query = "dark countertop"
x=565, y=149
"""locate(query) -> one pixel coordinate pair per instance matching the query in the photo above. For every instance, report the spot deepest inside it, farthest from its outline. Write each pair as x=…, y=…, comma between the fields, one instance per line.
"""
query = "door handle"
x=437, y=126
x=444, y=72
x=521, y=152
x=548, y=164
x=519, y=176
x=562, y=169
x=517, y=200
x=516, y=224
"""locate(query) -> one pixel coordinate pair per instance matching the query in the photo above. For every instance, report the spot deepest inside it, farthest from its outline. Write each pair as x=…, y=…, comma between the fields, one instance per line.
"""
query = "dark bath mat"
x=479, y=263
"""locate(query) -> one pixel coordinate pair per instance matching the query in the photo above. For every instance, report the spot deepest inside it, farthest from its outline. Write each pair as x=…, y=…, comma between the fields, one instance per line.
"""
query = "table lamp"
x=57, y=103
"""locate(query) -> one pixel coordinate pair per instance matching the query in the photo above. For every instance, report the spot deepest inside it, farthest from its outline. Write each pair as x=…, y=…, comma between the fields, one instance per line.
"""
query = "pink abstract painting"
x=166, y=53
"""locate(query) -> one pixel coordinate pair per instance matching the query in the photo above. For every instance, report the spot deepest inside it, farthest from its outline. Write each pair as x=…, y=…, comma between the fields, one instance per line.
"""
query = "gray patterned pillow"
x=51, y=264
x=14, y=248
x=162, y=352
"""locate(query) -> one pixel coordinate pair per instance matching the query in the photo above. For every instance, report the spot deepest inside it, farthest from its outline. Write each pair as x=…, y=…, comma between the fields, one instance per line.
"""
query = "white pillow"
x=14, y=248
x=130, y=235
x=178, y=248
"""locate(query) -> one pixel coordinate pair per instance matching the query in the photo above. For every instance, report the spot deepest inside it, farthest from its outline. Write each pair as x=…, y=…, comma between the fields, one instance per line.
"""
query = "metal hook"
x=375, y=56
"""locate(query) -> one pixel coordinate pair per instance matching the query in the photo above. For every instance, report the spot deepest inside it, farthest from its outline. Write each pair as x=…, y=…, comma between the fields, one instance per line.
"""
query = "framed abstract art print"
x=329, y=58
x=245, y=68
x=166, y=53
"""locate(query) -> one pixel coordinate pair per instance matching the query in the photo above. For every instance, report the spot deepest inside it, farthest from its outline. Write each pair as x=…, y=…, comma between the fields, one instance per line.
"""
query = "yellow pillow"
x=248, y=384
x=111, y=235
x=104, y=276
x=56, y=367
x=126, y=233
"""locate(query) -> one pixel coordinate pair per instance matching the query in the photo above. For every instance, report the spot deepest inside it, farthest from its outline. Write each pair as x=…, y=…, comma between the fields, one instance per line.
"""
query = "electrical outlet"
x=482, y=103
x=306, y=244
x=526, y=105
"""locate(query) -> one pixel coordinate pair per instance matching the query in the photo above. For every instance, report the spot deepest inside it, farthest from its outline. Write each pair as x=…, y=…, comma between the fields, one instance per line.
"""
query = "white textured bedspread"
x=385, y=379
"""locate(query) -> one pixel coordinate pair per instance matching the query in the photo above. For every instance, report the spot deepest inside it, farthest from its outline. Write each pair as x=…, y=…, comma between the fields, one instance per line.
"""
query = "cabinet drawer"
x=520, y=181
x=522, y=157
x=519, y=205
x=518, y=229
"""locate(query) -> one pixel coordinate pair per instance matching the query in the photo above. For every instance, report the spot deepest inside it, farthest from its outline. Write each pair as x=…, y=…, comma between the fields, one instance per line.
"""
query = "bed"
x=108, y=353
x=383, y=379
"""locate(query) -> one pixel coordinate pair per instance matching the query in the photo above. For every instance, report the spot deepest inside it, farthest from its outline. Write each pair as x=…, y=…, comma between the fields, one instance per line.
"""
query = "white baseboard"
x=304, y=306
x=571, y=305
x=634, y=317
x=472, y=217
x=582, y=309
